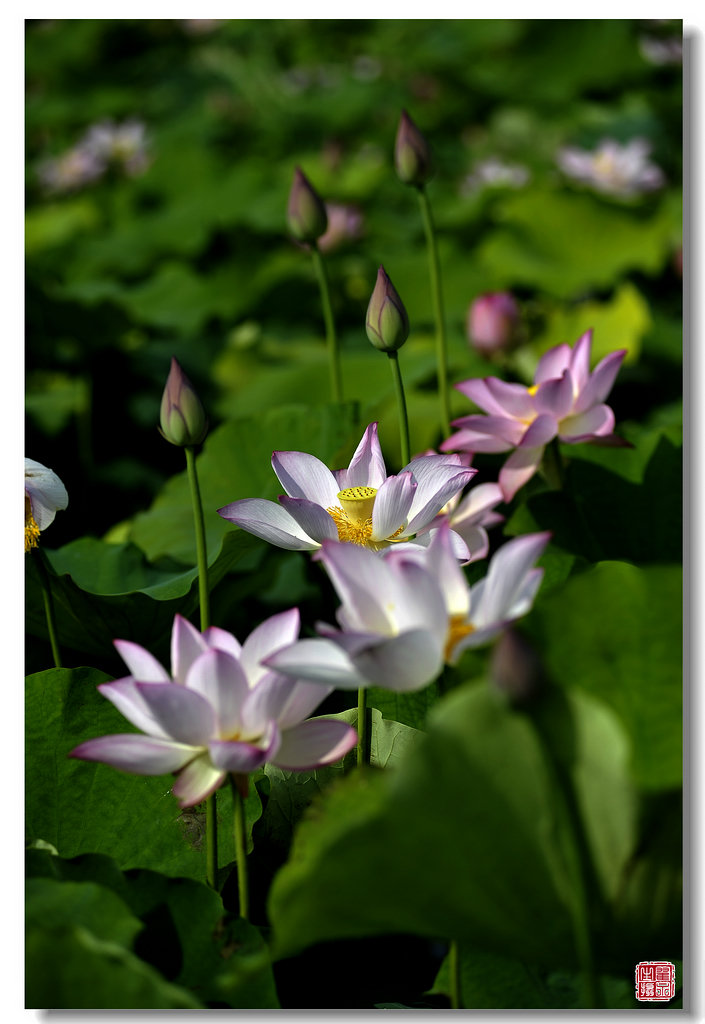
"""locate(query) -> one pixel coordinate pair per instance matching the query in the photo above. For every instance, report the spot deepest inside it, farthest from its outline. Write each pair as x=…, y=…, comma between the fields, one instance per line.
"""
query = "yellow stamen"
x=31, y=530
x=458, y=627
x=354, y=519
x=533, y=389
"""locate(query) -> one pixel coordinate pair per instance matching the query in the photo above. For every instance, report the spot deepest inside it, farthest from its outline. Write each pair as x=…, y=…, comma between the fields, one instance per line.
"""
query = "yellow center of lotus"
x=457, y=629
x=533, y=389
x=353, y=518
x=31, y=530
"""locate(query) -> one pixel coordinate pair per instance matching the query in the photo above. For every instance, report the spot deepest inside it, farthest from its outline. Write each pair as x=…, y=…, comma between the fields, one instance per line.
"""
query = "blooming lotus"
x=566, y=401
x=44, y=494
x=359, y=505
x=404, y=615
x=221, y=710
x=617, y=169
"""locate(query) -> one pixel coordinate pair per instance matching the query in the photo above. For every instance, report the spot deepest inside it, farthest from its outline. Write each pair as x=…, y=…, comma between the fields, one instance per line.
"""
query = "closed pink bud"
x=182, y=419
x=306, y=213
x=493, y=321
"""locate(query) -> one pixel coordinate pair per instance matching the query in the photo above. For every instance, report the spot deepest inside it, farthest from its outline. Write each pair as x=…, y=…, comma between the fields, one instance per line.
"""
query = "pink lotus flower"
x=221, y=710
x=566, y=401
x=404, y=615
x=492, y=322
x=359, y=505
x=613, y=168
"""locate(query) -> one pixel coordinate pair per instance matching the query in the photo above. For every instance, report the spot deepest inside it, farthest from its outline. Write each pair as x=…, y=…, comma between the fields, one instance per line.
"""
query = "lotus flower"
x=44, y=494
x=405, y=614
x=617, y=169
x=360, y=505
x=566, y=401
x=220, y=711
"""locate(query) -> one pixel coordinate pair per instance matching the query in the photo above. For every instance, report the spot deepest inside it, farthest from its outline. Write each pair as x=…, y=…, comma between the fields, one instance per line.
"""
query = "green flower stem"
x=363, y=746
x=240, y=850
x=435, y=272
x=456, y=1002
x=48, y=604
x=336, y=386
x=401, y=407
x=552, y=467
x=201, y=557
x=204, y=602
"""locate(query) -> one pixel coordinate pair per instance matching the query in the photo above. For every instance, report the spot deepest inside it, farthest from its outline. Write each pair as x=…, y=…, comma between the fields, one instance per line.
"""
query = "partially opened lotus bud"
x=412, y=154
x=387, y=324
x=182, y=419
x=306, y=213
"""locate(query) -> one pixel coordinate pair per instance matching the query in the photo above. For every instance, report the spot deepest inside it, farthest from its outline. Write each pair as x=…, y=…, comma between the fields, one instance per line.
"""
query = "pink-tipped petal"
x=601, y=380
x=220, y=681
x=477, y=391
x=315, y=743
x=519, y=469
x=438, y=482
x=186, y=645
x=126, y=697
x=478, y=542
x=265, y=702
x=239, y=756
x=366, y=467
x=476, y=505
x=553, y=363
x=475, y=441
x=269, y=521
x=221, y=640
x=443, y=566
x=505, y=579
x=321, y=661
x=182, y=714
x=142, y=665
x=580, y=361
x=304, y=698
x=304, y=476
x=270, y=636
x=542, y=430
x=596, y=422
x=513, y=399
x=314, y=521
x=363, y=582
x=501, y=428
x=555, y=397
x=139, y=755
x=197, y=781
x=391, y=506
x=402, y=663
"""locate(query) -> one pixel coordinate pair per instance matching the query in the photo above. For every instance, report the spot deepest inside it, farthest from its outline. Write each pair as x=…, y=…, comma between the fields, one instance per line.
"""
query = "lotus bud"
x=306, y=213
x=182, y=417
x=493, y=322
x=387, y=324
x=515, y=668
x=412, y=154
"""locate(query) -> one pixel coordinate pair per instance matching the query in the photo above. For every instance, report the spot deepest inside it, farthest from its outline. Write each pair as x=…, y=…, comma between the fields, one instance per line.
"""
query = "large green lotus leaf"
x=301, y=368
x=565, y=243
x=92, y=973
x=81, y=807
x=52, y=904
x=617, y=503
x=492, y=982
x=290, y=793
x=470, y=837
x=620, y=322
x=55, y=224
x=616, y=631
x=236, y=463
x=105, y=591
x=185, y=930
x=409, y=708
